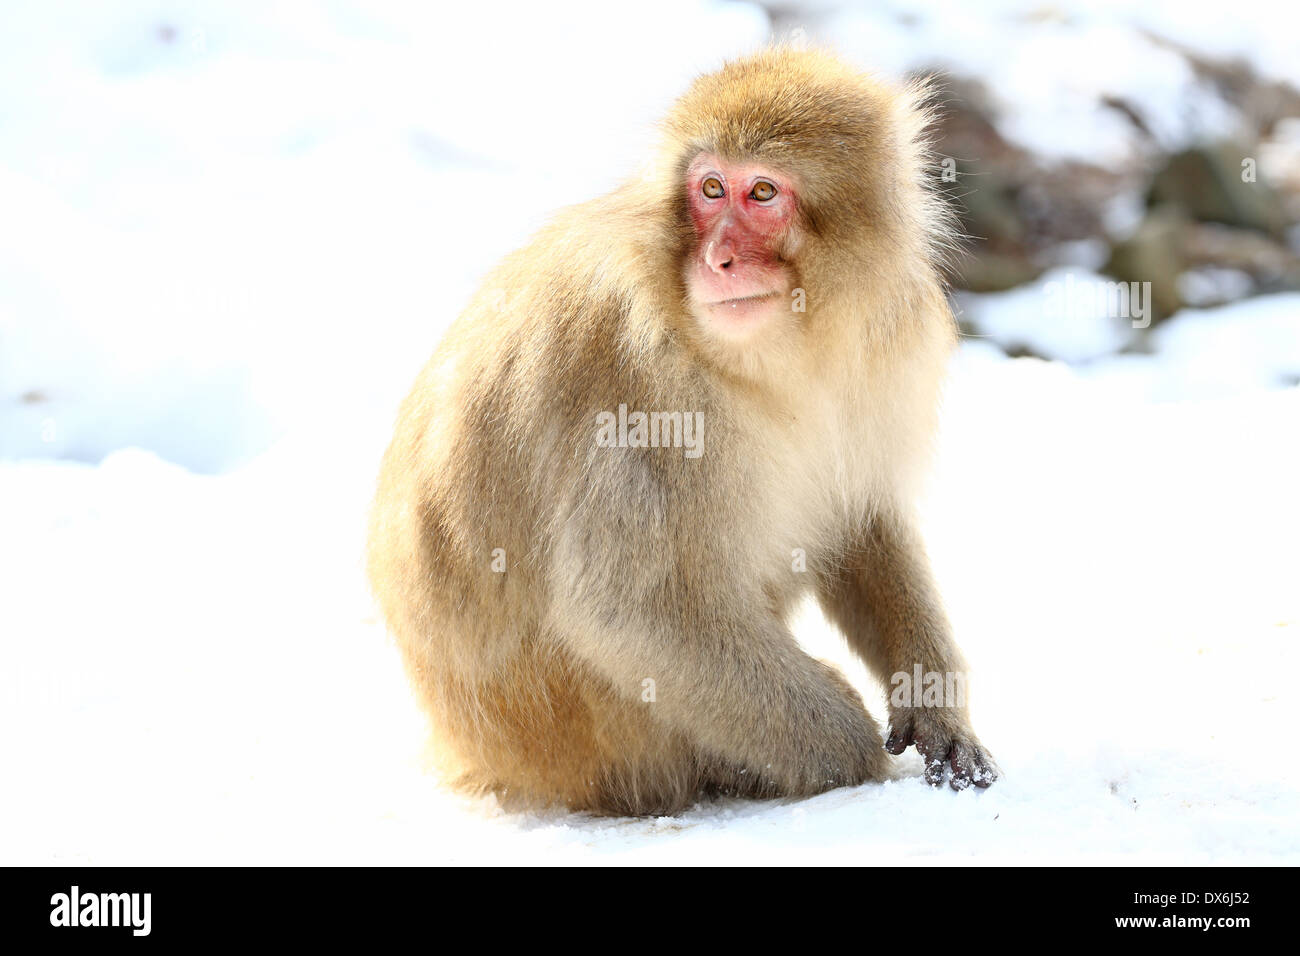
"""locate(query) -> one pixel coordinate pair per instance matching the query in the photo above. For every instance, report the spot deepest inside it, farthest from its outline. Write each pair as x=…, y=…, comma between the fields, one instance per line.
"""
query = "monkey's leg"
x=883, y=598
x=739, y=687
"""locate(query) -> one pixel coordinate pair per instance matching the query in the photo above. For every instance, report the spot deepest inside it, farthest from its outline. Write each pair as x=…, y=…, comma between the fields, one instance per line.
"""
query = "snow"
x=1067, y=313
x=1048, y=68
x=228, y=246
x=1212, y=285
x=194, y=674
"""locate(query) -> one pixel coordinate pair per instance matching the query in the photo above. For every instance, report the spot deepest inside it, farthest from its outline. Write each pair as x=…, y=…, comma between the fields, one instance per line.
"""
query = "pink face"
x=744, y=215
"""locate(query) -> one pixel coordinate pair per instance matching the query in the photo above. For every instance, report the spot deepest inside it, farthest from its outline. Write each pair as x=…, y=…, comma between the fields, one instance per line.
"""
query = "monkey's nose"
x=718, y=257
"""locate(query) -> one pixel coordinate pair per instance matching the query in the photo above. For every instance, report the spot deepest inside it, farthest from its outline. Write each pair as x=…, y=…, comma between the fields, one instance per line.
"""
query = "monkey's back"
x=480, y=478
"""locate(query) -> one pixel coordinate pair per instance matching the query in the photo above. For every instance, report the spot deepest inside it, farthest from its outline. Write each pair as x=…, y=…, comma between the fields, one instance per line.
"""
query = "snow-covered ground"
x=229, y=235
x=193, y=672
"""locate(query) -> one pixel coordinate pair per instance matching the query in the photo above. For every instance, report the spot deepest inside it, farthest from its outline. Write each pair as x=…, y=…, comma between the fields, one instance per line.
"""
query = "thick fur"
x=624, y=564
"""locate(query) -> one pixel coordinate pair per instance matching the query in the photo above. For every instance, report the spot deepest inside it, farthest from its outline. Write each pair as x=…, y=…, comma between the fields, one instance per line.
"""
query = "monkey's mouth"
x=743, y=314
x=744, y=302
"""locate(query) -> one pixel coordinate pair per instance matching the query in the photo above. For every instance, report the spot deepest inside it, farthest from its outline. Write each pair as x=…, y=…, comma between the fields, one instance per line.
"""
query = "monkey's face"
x=738, y=278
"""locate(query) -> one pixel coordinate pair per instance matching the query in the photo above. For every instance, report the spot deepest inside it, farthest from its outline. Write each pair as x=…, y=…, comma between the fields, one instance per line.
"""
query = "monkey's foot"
x=941, y=748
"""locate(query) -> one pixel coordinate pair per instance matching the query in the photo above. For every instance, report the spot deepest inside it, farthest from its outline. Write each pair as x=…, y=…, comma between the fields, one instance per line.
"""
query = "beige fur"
x=624, y=564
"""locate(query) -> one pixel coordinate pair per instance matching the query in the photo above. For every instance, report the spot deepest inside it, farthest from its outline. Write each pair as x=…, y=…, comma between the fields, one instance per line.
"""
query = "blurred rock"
x=1271, y=264
x=1262, y=103
x=1154, y=254
x=994, y=272
x=1208, y=217
x=1014, y=208
x=980, y=171
x=1169, y=244
x=1208, y=182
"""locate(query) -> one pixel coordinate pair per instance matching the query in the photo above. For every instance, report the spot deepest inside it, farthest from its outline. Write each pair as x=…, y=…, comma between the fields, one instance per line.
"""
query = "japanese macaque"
x=681, y=409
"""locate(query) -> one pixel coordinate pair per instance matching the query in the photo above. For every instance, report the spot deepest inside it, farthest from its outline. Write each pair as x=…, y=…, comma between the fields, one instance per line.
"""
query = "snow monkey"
x=682, y=408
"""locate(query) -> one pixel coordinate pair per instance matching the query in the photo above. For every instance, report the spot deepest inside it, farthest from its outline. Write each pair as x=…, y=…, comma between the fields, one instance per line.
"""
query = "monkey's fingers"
x=936, y=759
x=934, y=769
x=899, y=740
x=971, y=764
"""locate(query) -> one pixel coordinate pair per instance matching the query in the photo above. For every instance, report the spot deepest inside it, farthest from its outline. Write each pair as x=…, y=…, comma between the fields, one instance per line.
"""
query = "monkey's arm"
x=883, y=598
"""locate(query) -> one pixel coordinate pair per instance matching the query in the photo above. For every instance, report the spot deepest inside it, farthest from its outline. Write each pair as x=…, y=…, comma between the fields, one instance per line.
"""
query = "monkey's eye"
x=762, y=191
x=712, y=188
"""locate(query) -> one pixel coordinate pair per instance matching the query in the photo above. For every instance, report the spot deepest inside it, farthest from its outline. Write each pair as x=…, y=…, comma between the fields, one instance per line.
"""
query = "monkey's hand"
x=944, y=739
